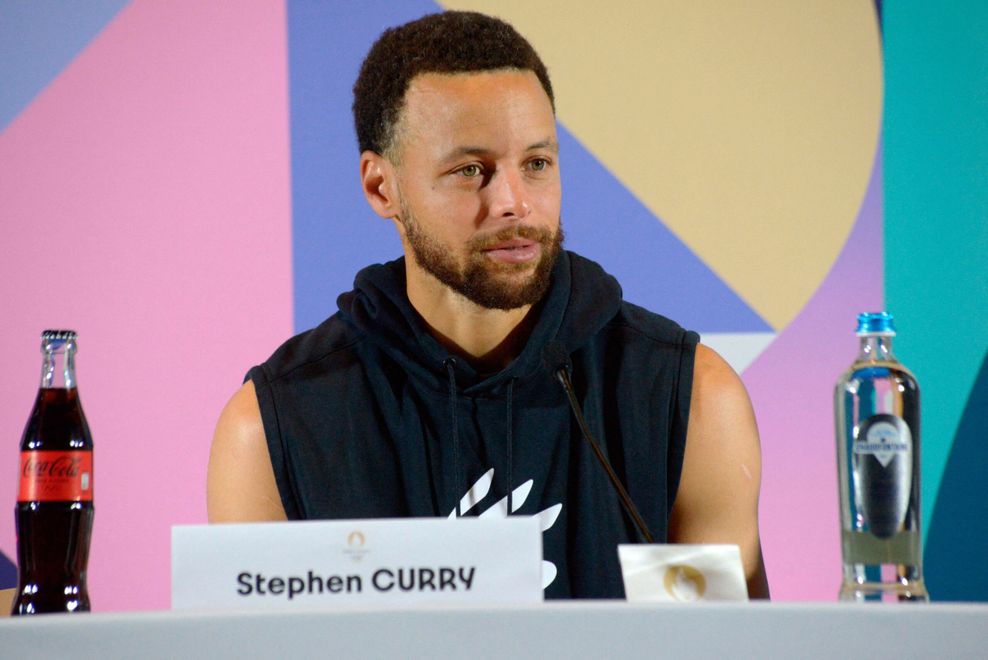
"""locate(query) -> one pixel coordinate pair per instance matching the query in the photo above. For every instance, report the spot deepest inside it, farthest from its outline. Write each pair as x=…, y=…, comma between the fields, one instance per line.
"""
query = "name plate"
x=346, y=563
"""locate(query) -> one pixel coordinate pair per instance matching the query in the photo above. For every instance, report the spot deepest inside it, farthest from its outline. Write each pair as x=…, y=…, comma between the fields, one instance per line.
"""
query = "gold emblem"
x=355, y=542
x=684, y=583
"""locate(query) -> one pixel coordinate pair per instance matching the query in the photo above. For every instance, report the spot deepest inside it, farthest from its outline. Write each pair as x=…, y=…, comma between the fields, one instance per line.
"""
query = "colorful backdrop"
x=178, y=182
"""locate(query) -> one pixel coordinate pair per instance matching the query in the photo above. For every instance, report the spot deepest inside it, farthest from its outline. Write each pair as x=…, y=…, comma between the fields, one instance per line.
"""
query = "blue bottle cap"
x=876, y=323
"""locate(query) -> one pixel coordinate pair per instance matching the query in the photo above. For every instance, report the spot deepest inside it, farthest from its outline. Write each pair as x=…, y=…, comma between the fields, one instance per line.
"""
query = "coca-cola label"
x=56, y=476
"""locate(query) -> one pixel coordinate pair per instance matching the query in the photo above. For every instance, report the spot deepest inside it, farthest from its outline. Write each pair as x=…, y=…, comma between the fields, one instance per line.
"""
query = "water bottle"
x=876, y=404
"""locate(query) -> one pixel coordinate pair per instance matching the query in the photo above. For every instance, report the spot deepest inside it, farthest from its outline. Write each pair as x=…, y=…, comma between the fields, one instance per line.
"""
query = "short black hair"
x=448, y=42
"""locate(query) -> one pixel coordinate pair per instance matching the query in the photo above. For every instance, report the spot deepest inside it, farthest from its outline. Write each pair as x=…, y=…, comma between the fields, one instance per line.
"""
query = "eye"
x=538, y=164
x=471, y=171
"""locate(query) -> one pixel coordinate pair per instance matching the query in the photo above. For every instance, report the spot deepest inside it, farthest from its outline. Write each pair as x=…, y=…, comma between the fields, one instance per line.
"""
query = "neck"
x=489, y=339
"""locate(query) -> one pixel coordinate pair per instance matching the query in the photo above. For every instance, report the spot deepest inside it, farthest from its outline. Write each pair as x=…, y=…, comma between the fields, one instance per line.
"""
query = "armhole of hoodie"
x=277, y=450
x=679, y=423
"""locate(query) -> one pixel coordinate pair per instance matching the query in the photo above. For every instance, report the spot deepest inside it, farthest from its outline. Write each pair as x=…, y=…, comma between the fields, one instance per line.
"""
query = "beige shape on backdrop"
x=749, y=128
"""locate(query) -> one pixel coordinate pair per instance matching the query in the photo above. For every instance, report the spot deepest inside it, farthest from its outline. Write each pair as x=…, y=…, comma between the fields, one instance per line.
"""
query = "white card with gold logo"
x=682, y=573
x=346, y=563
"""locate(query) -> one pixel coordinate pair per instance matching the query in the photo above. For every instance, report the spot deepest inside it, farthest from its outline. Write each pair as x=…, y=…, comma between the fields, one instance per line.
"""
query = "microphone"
x=556, y=359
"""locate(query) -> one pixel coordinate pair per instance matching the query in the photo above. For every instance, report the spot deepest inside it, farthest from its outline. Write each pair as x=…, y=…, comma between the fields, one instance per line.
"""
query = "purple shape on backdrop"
x=791, y=388
x=607, y=223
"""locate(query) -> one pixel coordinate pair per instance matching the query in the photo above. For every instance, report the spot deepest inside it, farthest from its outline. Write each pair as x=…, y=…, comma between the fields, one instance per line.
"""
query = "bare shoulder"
x=717, y=500
x=715, y=381
x=722, y=428
x=241, y=485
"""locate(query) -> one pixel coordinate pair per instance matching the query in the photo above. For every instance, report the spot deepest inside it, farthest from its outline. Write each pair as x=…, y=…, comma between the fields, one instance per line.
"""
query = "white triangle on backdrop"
x=739, y=348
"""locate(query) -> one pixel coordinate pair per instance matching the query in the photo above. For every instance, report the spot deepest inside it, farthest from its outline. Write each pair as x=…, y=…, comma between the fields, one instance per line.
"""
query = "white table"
x=592, y=629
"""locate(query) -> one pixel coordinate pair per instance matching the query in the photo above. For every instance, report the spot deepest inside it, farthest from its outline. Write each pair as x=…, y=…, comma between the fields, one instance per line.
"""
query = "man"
x=432, y=391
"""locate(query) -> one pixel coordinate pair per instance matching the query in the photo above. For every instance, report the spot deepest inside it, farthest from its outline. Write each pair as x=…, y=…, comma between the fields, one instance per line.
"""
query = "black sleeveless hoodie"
x=367, y=416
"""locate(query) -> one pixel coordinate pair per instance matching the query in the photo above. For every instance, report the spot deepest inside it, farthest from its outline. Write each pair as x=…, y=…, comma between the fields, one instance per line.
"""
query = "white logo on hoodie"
x=547, y=517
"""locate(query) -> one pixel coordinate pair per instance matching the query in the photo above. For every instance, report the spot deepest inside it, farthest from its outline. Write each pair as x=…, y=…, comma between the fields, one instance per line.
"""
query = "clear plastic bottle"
x=876, y=403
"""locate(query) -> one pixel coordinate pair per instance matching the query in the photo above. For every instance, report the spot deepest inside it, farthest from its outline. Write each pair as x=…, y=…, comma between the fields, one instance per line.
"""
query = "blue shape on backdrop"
x=955, y=548
x=38, y=39
x=335, y=234
x=8, y=573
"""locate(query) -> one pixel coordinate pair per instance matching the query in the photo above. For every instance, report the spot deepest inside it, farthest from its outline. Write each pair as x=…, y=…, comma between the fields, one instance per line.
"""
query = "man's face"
x=478, y=182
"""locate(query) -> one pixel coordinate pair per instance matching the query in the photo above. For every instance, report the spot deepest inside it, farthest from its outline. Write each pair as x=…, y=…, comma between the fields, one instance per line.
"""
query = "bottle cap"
x=55, y=340
x=876, y=323
x=58, y=334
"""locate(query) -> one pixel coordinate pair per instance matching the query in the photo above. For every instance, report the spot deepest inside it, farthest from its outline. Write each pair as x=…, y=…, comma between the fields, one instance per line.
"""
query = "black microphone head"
x=555, y=357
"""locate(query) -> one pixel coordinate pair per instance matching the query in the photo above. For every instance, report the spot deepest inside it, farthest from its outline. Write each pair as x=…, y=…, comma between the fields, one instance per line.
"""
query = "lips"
x=514, y=251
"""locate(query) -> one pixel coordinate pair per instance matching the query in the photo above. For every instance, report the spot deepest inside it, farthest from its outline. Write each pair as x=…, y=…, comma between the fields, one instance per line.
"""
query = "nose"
x=508, y=195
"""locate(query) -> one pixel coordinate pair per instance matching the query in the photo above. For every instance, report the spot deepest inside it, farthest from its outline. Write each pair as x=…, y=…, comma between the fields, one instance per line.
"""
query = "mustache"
x=526, y=232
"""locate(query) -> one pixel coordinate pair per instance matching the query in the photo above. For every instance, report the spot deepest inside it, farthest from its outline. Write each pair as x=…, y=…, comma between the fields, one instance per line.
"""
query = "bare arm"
x=717, y=501
x=240, y=485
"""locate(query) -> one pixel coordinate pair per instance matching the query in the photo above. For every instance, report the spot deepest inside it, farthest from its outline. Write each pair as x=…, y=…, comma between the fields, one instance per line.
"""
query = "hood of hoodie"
x=568, y=316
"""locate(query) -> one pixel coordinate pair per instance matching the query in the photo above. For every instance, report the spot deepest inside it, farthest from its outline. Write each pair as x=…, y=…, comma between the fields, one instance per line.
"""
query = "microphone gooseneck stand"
x=558, y=362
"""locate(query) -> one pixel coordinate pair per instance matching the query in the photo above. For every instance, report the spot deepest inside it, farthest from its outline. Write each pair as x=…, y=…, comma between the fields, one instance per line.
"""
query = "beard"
x=483, y=281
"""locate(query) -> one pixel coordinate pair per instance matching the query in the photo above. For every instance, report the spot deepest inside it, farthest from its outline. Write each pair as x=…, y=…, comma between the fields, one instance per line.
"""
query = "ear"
x=377, y=178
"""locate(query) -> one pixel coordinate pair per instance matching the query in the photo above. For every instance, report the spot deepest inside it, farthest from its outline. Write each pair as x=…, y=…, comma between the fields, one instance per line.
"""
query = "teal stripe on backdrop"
x=958, y=533
x=936, y=208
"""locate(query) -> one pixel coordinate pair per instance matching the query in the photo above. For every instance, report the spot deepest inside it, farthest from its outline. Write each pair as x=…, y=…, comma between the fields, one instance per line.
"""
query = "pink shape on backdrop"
x=145, y=201
x=791, y=387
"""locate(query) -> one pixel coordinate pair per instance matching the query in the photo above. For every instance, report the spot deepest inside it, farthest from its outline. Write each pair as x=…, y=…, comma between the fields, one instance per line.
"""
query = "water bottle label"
x=884, y=437
x=56, y=476
x=883, y=473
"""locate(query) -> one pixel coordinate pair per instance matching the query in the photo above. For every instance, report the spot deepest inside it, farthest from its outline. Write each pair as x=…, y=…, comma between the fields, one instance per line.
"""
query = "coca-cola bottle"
x=54, y=511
